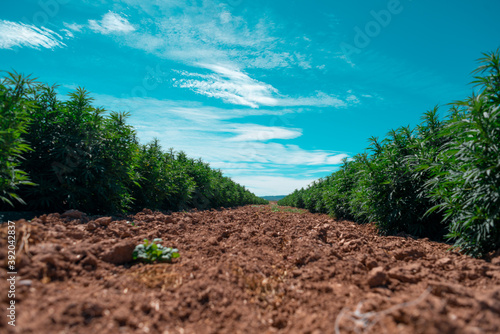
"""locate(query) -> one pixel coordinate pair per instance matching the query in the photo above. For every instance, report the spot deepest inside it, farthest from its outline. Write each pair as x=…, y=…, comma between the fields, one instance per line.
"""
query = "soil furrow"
x=253, y=269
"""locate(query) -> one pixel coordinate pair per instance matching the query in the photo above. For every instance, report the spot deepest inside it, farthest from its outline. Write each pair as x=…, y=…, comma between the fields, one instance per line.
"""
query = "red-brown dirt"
x=254, y=269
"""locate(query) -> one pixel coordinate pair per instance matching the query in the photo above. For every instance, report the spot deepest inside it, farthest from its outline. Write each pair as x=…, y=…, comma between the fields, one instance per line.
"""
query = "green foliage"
x=14, y=121
x=85, y=158
x=393, y=183
x=466, y=181
x=173, y=181
x=440, y=179
x=163, y=183
x=154, y=251
x=81, y=158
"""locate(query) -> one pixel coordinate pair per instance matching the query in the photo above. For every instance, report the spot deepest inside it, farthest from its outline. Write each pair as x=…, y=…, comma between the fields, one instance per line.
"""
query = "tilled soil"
x=254, y=269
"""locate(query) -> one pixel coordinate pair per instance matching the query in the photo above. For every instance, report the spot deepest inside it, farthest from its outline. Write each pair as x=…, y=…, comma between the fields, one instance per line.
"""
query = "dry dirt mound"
x=245, y=270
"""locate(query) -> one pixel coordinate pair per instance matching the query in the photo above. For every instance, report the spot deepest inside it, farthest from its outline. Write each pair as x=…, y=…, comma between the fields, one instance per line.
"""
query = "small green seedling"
x=131, y=223
x=154, y=251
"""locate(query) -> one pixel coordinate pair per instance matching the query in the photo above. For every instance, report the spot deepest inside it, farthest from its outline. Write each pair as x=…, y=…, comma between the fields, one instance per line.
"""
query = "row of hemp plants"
x=68, y=154
x=440, y=179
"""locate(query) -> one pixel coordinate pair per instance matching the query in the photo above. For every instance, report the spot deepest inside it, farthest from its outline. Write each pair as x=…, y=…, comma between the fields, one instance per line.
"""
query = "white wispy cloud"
x=234, y=86
x=68, y=33
x=74, y=26
x=14, y=34
x=252, y=132
x=210, y=32
x=263, y=185
x=231, y=85
x=321, y=99
x=111, y=23
x=208, y=35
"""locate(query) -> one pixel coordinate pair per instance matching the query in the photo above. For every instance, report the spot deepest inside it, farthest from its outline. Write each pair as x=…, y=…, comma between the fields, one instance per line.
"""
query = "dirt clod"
x=105, y=221
x=376, y=277
x=119, y=253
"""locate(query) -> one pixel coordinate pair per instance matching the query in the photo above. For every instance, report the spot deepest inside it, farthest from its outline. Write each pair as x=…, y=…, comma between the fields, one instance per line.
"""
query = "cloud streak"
x=207, y=35
x=264, y=133
x=263, y=185
x=231, y=85
x=14, y=34
x=236, y=87
x=111, y=23
x=208, y=32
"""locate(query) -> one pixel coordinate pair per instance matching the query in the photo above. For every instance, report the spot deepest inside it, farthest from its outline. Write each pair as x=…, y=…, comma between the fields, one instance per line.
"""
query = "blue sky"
x=274, y=93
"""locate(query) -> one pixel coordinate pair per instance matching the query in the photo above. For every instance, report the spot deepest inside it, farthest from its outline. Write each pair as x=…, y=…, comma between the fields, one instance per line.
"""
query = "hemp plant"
x=154, y=251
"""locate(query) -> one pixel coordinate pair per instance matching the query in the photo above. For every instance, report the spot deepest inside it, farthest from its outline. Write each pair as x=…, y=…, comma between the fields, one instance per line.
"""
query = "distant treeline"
x=439, y=179
x=57, y=155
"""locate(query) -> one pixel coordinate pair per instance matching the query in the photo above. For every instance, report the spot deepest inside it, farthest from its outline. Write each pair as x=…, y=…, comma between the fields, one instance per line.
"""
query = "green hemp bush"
x=466, y=181
x=65, y=153
x=14, y=122
x=440, y=179
x=154, y=251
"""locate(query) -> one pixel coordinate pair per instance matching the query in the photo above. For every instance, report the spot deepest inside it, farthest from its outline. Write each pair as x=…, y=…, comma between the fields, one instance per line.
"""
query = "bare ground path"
x=246, y=270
